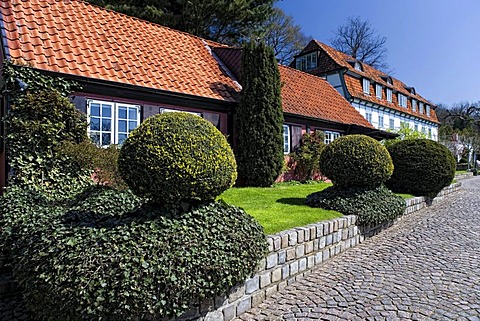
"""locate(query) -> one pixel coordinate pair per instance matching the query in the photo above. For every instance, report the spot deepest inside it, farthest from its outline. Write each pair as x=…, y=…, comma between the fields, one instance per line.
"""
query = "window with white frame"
x=427, y=110
x=368, y=116
x=389, y=95
x=414, y=105
x=402, y=100
x=392, y=123
x=358, y=66
x=366, y=86
x=430, y=133
x=111, y=123
x=307, y=62
x=420, y=108
x=416, y=127
x=380, y=121
x=378, y=91
x=330, y=136
x=286, y=139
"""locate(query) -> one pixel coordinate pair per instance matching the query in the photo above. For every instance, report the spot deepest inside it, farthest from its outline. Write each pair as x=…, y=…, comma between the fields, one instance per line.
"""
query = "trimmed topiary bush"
x=108, y=257
x=356, y=160
x=422, y=167
x=371, y=205
x=176, y=158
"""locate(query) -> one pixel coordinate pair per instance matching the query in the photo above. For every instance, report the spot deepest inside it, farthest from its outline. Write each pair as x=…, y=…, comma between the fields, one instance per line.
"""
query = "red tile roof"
x=354, y=85
x=77, y=38
x=302, y=93
x=312, y=96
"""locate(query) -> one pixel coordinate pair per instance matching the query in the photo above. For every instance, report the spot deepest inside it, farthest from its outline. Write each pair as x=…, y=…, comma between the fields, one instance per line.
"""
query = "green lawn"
x=280, y=207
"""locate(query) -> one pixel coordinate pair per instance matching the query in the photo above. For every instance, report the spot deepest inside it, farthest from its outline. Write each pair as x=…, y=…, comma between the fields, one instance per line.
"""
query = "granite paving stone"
x=425, y=267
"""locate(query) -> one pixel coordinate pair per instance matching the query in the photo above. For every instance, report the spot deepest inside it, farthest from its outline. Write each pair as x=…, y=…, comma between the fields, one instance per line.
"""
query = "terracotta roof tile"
x=312, y=96
x=354, y=85
x=77, y=38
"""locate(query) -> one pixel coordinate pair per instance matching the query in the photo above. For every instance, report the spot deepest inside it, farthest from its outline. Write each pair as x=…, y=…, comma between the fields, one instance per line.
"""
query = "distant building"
x=384, y=101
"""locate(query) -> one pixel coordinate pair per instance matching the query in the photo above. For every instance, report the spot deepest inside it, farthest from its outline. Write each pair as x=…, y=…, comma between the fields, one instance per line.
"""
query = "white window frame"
x=380, y=121
x=330, y=136
x=416, y=127
x=391, y=124
x=368, y=116
x=414, y=105
x=402, y=100
x=430, y=133
x=420, y=108
x=389, y=95
x=286, y=139
x=114, y=119
x=378, y=91
x=306, y=62
x=427, y=110
x=366, y=86
x=358, y=66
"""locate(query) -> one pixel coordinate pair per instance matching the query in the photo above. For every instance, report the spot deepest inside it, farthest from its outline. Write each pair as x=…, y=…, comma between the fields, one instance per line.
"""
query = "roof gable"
x=77, y=38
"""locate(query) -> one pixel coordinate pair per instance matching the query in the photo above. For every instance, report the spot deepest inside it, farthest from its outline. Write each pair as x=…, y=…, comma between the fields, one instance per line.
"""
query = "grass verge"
x=280, y=207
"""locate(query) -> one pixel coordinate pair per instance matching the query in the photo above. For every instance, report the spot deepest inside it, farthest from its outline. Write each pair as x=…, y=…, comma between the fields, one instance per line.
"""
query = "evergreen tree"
x=259, y=118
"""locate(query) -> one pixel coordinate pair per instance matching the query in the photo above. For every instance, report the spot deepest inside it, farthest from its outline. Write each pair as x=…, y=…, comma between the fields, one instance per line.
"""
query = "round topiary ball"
x=422, y=167
x=176, y=158
x=356, y=160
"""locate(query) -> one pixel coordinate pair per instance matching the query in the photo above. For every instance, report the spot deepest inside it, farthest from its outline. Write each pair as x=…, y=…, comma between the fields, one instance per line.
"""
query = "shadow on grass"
x=299, y=201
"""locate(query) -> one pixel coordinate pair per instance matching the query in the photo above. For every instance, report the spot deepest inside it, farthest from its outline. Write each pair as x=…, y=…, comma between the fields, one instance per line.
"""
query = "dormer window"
x=366, y=86
x=411, y=90
x=307, y=62
x=414, y=105
x=388, y=79
x=378, y=91
x=427, y=110
x=389, y=95
x=358, y=66
x=420, y=108
x=402, y=100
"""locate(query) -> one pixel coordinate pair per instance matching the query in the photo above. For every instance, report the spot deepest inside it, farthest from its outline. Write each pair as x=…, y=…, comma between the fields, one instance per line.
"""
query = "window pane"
x=94, y=123
x=94, y=109
x=132, y=113
x=121, y=138
x=132, y=125
x=106, y=139
x=106, y=125
x=95, y=138
x=122, y=112
x=122, y=126
x=106, y=111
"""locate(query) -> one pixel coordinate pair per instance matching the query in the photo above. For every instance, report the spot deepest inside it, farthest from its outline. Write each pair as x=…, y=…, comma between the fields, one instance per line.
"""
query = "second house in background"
x=384, y=101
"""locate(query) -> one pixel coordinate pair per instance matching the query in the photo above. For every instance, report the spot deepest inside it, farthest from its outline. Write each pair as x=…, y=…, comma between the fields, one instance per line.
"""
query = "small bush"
x=422, y=167
x=177, y=157
x=103, y=162
x=306, y=157
x=371, y=205
x=356, y=160
x=108, y=257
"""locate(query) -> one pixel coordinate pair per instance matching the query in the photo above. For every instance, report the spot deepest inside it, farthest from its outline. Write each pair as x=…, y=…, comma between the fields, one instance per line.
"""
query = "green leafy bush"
x=356, y=160
x=306, y=158
x=108, y=257
x=422, y=167
x=102, y=162
x=177, y=157
x=371, y=205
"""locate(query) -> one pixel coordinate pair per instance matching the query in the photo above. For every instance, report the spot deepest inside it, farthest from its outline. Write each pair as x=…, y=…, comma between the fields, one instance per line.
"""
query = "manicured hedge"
x=176, y=158
x=107, y=256
x=371, y=205
x=356, y=160
x=422, y=167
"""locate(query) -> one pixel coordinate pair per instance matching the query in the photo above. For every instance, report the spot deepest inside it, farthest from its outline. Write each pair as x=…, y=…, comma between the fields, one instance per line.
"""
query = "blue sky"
x=433, y=45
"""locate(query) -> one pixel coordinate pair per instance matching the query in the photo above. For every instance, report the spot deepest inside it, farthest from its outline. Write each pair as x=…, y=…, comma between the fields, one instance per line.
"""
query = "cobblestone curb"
x=463, y=176
x=292, y=255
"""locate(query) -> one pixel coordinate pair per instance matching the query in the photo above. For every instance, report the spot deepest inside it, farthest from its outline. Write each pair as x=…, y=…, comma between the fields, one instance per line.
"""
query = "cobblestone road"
x=427, y=267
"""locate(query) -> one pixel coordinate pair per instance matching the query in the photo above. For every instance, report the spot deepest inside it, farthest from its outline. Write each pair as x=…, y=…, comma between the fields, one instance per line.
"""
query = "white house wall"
x=364, y=108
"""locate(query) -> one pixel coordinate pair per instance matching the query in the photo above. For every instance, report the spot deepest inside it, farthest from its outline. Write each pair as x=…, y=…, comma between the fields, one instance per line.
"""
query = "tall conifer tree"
x=259, y=118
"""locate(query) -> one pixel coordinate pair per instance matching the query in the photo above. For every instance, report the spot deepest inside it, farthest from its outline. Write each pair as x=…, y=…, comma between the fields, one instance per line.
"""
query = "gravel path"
x=426, y=267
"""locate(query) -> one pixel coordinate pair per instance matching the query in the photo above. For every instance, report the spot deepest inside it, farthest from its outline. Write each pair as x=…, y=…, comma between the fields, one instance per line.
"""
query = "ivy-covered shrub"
x=371, y=205
x=306, y=157
x=108, y=257
x=422, y=167
x=39, y=120
x=177, y=158
x=102, y=162
x=356, y=160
